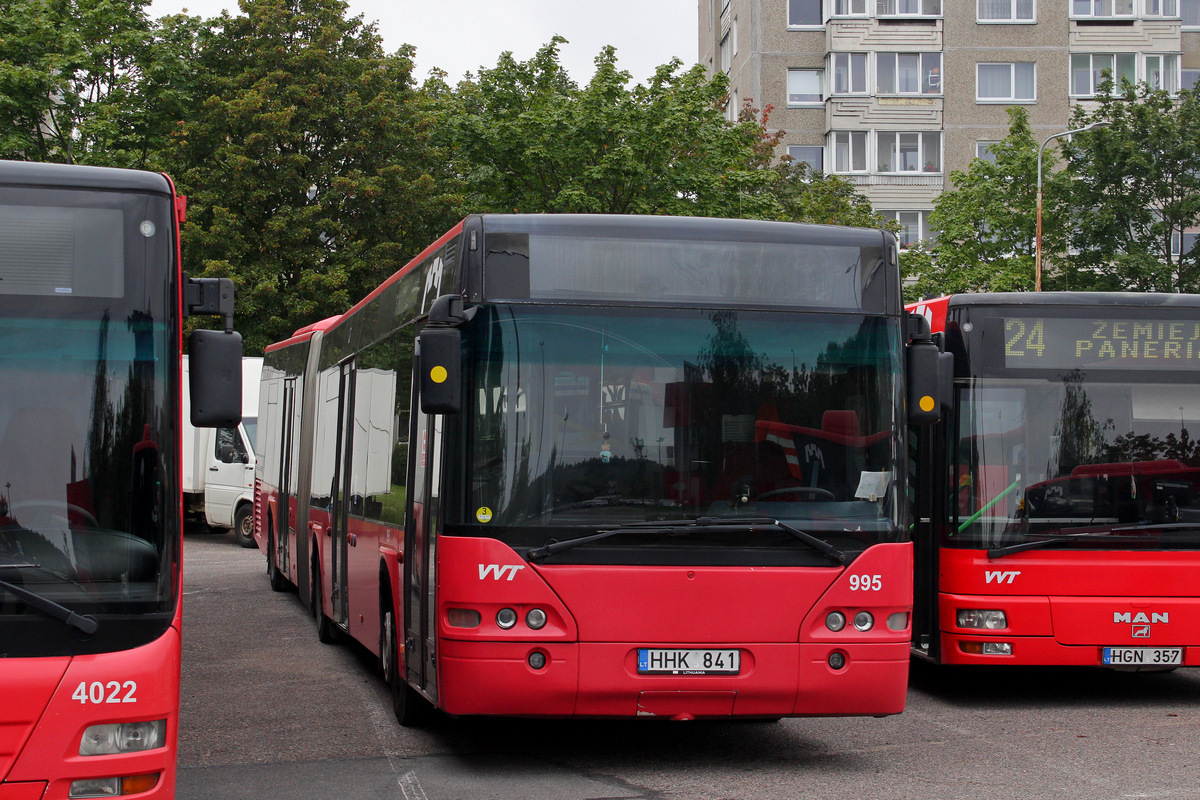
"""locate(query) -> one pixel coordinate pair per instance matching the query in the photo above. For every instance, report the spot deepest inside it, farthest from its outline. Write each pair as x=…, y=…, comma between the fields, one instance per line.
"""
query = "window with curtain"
x=1101, y=9
x=916, y=151
x=908, y=73
x=1161, y=8
x=1004, y=11
x=849, y=151
x=908, y=8
x=805, y=87
x=1089, y=71
x=849, y=73
x=1006, y=83
x=849, y=8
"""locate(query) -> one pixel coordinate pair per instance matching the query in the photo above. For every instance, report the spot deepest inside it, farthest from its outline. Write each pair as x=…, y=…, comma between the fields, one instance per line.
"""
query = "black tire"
x=411, y=709
x=326, y=630
x=274, y=576
x=243, y=525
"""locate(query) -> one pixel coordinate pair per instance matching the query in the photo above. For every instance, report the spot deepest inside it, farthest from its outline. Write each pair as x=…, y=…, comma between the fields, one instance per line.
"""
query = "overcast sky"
x=463, y=35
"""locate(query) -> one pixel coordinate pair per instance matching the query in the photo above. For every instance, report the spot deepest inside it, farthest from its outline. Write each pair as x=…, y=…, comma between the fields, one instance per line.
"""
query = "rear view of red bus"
x=1060, y=501
x=606, y=466
x=90, y=504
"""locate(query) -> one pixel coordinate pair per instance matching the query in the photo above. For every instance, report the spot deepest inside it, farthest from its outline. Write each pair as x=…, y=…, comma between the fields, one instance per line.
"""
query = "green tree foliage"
x=527, y=138
x=807, y=195
x=1136, y=187
x=89, y=81
x=986, y=225
x=309, y=165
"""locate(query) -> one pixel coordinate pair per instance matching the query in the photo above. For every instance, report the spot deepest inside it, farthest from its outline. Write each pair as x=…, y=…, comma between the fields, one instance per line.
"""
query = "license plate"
x=666, y=661
x=1142, y=656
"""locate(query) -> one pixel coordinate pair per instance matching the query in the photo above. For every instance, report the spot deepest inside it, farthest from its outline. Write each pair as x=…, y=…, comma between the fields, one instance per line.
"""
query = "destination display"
x=1097, y=343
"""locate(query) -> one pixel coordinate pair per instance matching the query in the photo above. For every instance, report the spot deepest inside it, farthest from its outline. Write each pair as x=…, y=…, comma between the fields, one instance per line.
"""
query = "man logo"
x=1141, y=631
x=1140, y=617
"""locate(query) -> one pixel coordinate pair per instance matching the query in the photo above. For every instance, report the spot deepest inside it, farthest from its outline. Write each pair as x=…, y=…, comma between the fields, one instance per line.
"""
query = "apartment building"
x=894, y=94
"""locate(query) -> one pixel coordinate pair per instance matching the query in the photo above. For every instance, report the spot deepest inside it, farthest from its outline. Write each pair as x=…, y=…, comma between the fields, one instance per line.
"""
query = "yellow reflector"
x=438, y=374
x=927, y=403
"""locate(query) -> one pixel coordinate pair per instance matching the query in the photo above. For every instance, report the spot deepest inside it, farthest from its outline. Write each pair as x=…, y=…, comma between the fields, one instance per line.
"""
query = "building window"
x=908, y=73
x=733, y=37
x=983, y=151
x=909, y=152
x=1187, y=243
x=1006, y=83
x=1162, y=72
x=1189, y=78
x=726, y=56
x=1189, y=10
x=1004, y=11
x=914, y=226
x=1089, y=70
x=1101, y=9
x=804, y=13
x=849, y=151
x=813, y=155
x=908, y=8
x=849, y=8
x=1161, y=8
x=805, y=87
x=849, y=73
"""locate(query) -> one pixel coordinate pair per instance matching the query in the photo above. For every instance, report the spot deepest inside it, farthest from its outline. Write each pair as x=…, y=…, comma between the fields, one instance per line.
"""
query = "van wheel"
x=243, y=526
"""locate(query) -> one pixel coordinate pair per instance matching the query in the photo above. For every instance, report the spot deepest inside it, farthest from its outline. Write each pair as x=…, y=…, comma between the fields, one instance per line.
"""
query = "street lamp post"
x=1037, y=241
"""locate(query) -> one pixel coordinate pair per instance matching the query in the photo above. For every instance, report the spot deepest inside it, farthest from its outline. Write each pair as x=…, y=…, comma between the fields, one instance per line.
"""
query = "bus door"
x=931, y=503
x=285, y=525
x=339, y=513
x=420, y=550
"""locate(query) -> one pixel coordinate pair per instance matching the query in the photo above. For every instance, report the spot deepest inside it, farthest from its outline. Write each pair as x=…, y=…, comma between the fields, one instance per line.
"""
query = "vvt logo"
x=497, y=570
x=995, y=576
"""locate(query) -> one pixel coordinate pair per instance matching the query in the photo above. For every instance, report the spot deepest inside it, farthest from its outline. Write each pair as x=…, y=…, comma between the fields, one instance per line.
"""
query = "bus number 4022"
x=111, y=692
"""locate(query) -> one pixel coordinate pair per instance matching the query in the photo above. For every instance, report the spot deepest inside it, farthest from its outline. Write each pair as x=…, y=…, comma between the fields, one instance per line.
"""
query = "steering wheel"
x=813, y=491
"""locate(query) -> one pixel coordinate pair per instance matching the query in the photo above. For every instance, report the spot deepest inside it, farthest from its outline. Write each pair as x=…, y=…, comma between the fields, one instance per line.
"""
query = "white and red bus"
x=1060, y=500
x=90, y=504
x=607, y=466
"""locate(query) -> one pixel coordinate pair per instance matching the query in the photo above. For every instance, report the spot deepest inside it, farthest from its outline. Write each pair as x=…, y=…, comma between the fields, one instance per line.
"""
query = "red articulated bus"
x=91, y=510
x=606, y=466
x=1060, y=500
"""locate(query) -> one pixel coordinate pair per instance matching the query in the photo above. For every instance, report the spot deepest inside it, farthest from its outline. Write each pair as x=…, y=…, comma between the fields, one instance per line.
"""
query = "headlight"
x=987, y=619
x=506, y=618
x=124, y=737
x=863, y=621
x=536, y=618
x=835, y=621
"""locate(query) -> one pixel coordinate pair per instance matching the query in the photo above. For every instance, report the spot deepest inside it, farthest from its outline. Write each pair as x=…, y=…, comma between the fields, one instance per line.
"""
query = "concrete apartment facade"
x=895, y=94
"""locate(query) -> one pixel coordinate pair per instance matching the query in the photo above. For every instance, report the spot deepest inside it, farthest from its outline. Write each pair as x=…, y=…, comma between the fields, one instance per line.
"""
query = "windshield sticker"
x=484, y=515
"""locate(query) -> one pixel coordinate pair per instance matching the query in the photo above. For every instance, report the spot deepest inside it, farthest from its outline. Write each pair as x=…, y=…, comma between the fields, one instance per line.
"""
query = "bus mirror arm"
x=209, y=296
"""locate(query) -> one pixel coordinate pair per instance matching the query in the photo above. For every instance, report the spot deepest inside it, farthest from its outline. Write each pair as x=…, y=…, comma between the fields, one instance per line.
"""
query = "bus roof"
x=76, y=176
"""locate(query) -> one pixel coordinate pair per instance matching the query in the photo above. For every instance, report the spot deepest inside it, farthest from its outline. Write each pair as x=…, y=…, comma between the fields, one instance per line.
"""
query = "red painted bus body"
x=592, y=527
x=1060, y=500
x=90, y=473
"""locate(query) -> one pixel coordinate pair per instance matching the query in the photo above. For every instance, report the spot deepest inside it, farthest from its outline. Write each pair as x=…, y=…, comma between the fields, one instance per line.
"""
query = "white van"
x=218, y=463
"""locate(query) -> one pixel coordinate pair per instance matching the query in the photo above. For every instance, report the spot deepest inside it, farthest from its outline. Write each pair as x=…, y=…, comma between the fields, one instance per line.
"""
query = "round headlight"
x=536, y=618
x=537, y=659
x=863, y=621
x=835, y=621
x=506, y=618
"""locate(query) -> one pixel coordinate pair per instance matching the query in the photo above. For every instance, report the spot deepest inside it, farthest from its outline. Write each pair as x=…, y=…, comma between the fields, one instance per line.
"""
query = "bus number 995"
x=866, y=583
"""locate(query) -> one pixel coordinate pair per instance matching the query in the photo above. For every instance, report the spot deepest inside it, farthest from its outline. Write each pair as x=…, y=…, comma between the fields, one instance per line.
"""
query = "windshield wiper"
x=88, y=625
x=707, y=524
x=1062, y=538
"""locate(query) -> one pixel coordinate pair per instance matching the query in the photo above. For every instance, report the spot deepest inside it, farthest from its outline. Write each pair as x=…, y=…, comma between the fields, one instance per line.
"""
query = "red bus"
x=606, y=466
x=1060, y=500
x=90, y=501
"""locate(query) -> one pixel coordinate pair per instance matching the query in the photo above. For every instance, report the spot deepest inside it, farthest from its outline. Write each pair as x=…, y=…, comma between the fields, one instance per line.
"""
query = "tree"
x=986, y=225
x=527, y=138
x=807, y=195
x=1136, y=190
x=89, y=81
x=309, y=165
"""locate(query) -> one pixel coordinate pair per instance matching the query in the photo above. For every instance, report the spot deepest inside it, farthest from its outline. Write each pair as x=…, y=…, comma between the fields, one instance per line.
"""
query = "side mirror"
x=215, y=378
x=440, y=358
x=929, y=373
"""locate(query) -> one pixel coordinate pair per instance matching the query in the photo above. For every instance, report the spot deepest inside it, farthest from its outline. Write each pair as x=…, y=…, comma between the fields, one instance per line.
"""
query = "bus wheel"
x=326, y=632
x=243, y=526
x=274, y=576
x=411, y=709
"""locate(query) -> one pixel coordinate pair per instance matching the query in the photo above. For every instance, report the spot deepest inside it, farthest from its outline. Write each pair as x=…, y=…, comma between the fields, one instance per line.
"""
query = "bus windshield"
x=86, y=401
x=1091, y=463
x=587, y=419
